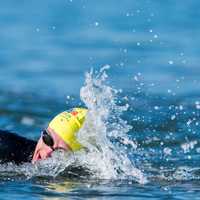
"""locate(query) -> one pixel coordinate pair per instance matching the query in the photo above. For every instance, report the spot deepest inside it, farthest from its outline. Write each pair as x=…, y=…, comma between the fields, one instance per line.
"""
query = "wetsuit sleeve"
x=15, y=148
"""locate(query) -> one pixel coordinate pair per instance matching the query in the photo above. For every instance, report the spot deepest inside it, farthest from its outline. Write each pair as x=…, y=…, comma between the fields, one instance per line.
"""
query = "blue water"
x=152, y=48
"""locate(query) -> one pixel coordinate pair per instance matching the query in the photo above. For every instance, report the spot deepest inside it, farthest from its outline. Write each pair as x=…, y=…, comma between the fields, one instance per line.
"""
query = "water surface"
x=143, y=95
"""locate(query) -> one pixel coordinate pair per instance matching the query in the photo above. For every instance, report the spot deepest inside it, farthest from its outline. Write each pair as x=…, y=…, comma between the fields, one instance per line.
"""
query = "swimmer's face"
x=43, y=151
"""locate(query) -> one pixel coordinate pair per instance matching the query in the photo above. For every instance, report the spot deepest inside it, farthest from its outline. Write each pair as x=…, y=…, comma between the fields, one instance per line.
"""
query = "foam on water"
x=50, y=167
x=105, y=132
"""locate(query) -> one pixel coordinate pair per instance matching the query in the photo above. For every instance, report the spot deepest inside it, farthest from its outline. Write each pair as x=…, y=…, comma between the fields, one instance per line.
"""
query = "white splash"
x=188, y=146
x=106, y=158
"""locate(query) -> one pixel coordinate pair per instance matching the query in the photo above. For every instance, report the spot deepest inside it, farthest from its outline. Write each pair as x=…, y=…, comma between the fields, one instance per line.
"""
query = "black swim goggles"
x=47, y=139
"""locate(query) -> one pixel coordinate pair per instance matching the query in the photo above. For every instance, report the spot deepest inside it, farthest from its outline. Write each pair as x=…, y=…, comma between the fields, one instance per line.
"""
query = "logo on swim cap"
x=67, y=124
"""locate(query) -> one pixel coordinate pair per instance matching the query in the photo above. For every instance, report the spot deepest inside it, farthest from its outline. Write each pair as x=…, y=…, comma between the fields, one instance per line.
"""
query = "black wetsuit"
x=15, y=148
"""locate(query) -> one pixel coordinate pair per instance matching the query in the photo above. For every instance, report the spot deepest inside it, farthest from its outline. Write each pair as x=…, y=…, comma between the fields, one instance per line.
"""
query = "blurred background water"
x=152, y=48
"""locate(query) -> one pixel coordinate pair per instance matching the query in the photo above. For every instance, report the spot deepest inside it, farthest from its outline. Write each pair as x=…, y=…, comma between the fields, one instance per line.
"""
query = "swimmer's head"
x=67, y=124
x=61, y=133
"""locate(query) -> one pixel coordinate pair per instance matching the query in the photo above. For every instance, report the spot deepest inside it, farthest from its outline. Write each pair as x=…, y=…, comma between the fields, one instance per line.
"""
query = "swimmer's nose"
x=42, y=153
x=45, y=153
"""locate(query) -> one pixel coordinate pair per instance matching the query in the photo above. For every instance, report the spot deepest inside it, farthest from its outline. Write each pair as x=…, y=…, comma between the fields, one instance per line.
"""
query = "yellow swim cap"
x=67, y=124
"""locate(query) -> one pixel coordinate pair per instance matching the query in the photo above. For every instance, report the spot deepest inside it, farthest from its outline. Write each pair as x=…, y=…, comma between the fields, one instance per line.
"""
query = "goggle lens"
x=47, y=139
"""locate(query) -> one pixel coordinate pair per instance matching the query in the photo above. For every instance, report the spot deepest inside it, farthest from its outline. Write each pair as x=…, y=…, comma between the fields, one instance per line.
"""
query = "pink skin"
x=42, y=151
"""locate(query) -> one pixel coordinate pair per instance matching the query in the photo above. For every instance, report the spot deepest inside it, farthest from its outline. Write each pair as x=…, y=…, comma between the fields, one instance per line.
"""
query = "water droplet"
x=155, y=36
x=169, y=91
x=198, y=106
x=180, y=107
x=167, y=151
x=135, y=78
x=96, y=23
x=125, y=50
x=156, y=107
x=173, y=117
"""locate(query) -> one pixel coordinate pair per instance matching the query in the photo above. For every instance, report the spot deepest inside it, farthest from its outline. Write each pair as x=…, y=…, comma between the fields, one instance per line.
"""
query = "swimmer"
x=60, y=134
